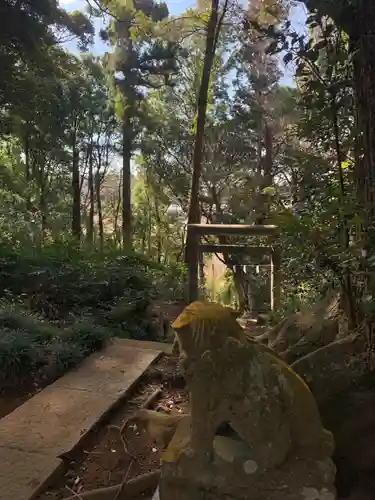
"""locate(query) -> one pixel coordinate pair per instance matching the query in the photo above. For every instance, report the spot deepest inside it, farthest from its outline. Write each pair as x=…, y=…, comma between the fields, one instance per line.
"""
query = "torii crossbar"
x=196, y=231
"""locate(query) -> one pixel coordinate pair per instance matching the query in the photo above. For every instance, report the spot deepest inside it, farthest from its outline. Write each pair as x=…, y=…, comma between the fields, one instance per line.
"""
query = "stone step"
x=54, y=421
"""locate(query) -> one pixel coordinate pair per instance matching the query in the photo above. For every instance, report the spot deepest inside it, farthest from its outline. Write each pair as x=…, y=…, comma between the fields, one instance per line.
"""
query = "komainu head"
x=205, y=326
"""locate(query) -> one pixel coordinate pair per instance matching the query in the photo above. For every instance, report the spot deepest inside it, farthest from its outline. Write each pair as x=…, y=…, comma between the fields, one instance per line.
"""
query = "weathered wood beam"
x=233, y=229
x=259, y=251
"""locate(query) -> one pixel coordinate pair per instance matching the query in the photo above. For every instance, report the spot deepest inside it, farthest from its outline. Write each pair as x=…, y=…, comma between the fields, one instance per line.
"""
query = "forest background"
x=120, y=121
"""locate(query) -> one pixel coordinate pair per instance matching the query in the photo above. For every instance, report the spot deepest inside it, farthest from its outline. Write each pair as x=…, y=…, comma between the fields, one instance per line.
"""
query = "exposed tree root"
x=134, y=487
x=149, y=403
x=127, y=489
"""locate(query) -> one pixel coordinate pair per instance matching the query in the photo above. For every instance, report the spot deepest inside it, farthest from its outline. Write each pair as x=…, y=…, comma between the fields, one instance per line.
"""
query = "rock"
x=351, y=417
x=303, y=332
x=332, y=369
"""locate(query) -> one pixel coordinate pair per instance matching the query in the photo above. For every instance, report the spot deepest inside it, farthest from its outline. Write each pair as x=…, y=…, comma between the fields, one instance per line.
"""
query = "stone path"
x=55, y=420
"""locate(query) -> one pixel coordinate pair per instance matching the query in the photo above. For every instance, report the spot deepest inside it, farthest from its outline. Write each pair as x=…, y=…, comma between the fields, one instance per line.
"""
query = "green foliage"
x=33, y=348
x=61, y=280
x=143, y=58
x=59, y=356
x=227, y=293
x=60, y=303
x=272, y=154
x=302, y=294
x=156, y=233
x=14, y=318
x=18, y=353
x=87, y=336
x=43, y=24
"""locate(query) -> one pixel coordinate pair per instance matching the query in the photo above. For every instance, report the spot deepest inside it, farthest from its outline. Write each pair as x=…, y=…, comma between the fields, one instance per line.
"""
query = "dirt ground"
x=101, y=459
x=15, y=394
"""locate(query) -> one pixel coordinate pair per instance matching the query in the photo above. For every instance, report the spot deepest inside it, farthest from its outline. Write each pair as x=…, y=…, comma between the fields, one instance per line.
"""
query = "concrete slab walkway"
x=55, y=420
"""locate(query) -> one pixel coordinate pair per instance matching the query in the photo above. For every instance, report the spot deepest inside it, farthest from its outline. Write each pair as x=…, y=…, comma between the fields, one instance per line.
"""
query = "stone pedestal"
x=231, y=474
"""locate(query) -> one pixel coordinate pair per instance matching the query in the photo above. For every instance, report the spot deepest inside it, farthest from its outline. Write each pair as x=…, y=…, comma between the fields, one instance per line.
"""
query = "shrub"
x=18, y=354
x=60, y=281
x=34, y=328
x=32, y=348
x=59, y=356
x=59, y=303
x=87, y=336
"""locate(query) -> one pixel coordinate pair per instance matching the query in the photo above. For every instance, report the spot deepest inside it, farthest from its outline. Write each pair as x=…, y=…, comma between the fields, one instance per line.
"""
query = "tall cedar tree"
x=212, y=34
x=140, y=61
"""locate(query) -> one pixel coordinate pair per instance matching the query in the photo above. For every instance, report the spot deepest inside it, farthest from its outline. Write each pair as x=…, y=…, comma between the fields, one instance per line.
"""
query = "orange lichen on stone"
x=179, y=442
x=301, y=408
x=203, y=326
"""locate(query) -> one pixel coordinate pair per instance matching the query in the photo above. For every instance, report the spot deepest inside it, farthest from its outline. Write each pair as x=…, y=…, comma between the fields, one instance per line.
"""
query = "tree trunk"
x=346, y=285
x=363, y=45
x=27, y=168
x=117, y=212
x=266, y=178
x=98, y=182
x=99, y=209
x=194, y=212
x=76, y=205
x=147, y=214
x=158, y=228
x=42, y=201
x=241, y=282
x=238, y=278
x=361, y=33
x=90, y=228
x=358, y=20
x=126, y=186
x=201, y=270
x=149, y=234
x=27, y=155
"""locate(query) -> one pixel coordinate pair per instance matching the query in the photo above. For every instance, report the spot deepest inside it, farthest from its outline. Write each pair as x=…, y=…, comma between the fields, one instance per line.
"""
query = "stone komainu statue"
x=236, y=381
x=238, y=384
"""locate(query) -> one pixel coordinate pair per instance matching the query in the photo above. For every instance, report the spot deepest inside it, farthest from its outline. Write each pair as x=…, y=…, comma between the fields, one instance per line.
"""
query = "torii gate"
x=196, y=231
